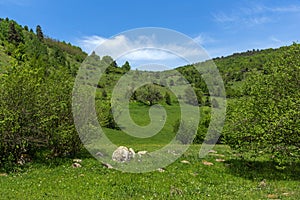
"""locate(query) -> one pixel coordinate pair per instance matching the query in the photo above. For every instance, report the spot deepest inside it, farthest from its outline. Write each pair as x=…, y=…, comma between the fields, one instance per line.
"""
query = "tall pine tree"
x=39, y=33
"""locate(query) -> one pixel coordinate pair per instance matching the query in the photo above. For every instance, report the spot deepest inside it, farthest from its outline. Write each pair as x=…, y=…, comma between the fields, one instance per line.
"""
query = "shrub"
x=36, y=114
x=267, y=118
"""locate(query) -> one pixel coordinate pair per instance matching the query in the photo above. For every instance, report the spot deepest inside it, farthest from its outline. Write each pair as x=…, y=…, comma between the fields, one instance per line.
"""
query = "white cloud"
x=146, y=49
x=88, y=44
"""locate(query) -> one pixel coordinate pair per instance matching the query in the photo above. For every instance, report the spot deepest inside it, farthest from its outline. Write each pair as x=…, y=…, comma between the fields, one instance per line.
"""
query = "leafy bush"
x=36, y=94
x=149, y=94
x=36, y=114
x=267, y=118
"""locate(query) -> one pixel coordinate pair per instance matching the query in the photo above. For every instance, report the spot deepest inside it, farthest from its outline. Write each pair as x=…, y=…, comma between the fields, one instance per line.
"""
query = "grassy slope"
x=140, y=115
x=232, y=179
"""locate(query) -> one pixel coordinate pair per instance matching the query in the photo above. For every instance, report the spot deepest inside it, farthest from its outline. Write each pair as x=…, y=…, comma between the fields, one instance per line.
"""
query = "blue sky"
x=221, y=27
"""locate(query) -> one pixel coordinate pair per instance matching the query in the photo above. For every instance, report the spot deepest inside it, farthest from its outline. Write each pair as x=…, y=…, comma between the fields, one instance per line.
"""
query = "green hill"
x=18, y=44
x=37, y=75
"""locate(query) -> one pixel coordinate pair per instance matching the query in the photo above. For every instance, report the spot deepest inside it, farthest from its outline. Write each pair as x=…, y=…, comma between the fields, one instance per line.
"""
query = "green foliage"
x=104, y=94
x=35, y=87
x=267, y=118
x=105, y=115
x=31, y=116
x=59, y=57
x=39, y=33
x=190, y=97
x=203, y=125
x=106, y=59
x=184, y=130
x=75, y=52
x=149, y=94
x=214, y=103
x=168, y=99
x=14, y=35
x=126, y=66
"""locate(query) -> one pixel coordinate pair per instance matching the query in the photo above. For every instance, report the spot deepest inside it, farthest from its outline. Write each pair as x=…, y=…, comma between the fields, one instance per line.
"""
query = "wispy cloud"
x=285, y=9
x=237, y=19
x=204, y=39
x=274, y=39
x=221, y=17
x=254, y=14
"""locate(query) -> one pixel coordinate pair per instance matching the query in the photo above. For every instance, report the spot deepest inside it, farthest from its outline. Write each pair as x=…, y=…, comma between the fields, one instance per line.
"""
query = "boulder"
x=123, y=154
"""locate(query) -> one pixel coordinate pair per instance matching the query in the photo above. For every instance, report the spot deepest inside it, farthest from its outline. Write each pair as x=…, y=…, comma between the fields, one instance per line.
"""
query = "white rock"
x=122, y=154
x=161, y=170
x=140, y=153
x=212, y=151
x=77, y=160
x=185, y=162
x=76, y=165
x=131, y=152
x=107, y=165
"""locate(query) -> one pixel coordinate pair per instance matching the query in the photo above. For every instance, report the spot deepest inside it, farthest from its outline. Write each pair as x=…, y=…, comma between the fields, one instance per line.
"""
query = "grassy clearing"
x=140, y=116
x=232, y=179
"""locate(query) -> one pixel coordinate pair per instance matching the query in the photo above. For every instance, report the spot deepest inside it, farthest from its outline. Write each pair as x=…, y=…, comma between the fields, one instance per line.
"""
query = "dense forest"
x=37, y=75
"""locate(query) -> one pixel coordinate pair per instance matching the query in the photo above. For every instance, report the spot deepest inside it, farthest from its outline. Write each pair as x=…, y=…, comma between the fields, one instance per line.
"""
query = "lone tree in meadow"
x=149, y=94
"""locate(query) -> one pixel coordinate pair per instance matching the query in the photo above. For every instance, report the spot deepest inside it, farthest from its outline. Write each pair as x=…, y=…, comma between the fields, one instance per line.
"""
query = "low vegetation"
x=220, y=175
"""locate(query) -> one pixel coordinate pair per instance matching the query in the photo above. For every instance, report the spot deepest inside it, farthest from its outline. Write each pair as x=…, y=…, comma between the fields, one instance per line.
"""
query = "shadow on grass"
x=44, y=159
x=263, y=170
x=52, y=162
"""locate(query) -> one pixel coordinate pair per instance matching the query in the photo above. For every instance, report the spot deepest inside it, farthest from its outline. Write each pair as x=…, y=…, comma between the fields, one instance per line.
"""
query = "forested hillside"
x=36, y=81
x=262, y=90
x=37, y=75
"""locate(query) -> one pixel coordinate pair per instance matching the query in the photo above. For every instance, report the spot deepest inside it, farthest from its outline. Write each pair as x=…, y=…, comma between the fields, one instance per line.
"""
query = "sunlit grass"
x=232, y=179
